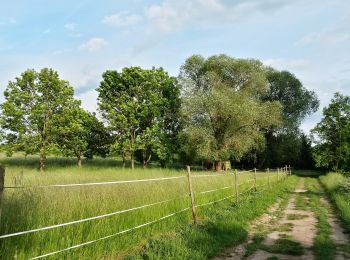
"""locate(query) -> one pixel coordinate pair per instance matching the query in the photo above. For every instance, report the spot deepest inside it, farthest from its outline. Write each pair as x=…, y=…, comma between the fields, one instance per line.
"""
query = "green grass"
x=308, y=173
x=324, y=247
x=262, y=231
x=284, y=246
x=338, y=189
x=296, y=216
x=285, y=227
x=219, y=225
x=219, y=228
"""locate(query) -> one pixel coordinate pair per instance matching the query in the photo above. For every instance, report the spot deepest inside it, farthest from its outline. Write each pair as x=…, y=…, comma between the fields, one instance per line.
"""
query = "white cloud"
x=170, y=15
x=325, y=38
x=89, y=100
x=70, y=26
x=94, y=45
x=287, y=64
x=121, y=19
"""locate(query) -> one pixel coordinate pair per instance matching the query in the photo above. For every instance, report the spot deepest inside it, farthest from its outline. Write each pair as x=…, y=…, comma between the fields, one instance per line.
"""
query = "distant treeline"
x=219, y=108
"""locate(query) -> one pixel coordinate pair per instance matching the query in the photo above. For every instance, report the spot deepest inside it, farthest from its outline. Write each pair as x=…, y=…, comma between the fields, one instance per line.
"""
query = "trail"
x=288, y=232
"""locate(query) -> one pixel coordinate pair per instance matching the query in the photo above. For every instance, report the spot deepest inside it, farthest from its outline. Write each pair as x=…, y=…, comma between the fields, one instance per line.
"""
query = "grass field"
x=35, y=207
x=338, y=188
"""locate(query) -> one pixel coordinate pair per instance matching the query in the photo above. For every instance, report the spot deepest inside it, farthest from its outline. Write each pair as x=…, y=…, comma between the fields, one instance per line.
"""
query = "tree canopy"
x=33, y=103
x=283, y=143
x=332, y=135
x=140, y=107
x=223, y=113
x=79, y=133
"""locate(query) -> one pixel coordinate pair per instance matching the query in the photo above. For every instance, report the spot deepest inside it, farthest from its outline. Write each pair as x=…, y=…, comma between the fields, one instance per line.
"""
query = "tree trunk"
x=218, y=166
x=144, y=160
x=162, y=163
x=42, y=159
x=124, y=159
x=79, y=160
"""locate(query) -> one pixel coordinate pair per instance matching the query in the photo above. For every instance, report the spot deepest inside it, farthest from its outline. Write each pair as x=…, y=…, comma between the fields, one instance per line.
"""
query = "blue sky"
x=81, y=39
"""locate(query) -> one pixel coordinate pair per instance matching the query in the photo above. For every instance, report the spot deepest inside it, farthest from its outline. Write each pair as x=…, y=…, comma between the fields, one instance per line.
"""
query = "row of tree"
x=217, y=109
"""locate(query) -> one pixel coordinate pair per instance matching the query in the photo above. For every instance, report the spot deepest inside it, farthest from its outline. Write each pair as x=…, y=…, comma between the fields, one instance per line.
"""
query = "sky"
x=81, y=39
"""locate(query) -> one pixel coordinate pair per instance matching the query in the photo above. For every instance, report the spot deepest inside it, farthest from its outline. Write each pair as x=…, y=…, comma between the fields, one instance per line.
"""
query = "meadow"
x=30, y=202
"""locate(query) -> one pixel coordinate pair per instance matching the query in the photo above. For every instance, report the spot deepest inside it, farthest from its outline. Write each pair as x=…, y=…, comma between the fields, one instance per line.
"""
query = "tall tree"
x=141, y=108
x=223, y=112
x=297, y=103
x=79, y=133
x=33, y=101
x=332, y=135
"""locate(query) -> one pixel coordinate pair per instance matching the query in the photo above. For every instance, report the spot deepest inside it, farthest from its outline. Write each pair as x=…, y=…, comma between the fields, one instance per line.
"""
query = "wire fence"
x=280, y=174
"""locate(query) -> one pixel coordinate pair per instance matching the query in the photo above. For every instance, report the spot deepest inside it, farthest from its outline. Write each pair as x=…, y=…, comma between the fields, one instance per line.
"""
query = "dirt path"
x=288, y=232
x=266, y=220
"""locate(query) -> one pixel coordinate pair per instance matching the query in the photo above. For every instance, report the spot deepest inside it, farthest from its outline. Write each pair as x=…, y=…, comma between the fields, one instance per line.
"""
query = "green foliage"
x=80, y=133
x=285, y=144
x=332, y=135
x=222, y=111
x=297, y=102
x=141, y=107
x=33, y=103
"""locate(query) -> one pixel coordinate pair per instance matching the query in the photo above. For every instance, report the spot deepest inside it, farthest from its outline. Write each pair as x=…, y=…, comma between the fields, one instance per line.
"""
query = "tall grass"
x=338, y=188
x=30, y=208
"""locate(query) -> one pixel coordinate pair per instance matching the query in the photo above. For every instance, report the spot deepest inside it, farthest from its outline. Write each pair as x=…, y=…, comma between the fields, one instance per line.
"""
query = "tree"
x=33, y=102
x=141, y=108
x=79, y=134
x=221, y=105
x=306, y=160
x=332, y=135
x=297, y=103
x=99, y=140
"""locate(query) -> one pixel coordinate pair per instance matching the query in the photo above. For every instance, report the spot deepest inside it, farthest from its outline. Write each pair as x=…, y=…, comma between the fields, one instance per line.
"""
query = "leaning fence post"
x=193, y=206
x=236, y=186
x=268, y=177
x=2, y=181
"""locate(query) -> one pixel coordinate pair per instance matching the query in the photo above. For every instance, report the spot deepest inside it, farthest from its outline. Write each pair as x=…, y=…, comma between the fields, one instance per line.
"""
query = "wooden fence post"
x=278, y=170
x=268, y=177
x=236, y=187
x=193, y=206
x=255, y=179
x=290, y=170
x=2, y=183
